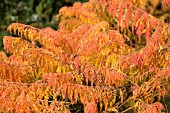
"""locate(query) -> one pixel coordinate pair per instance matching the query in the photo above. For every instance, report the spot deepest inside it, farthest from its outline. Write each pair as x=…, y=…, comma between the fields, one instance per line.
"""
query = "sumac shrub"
x=106, y=56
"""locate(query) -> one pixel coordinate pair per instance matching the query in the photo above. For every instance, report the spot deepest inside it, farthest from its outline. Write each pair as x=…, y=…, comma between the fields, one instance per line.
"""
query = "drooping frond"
x=52, y=43
x=106, y=56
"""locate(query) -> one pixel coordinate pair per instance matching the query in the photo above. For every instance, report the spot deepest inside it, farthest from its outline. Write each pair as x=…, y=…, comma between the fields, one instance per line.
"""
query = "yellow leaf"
x=113, y=100
x=121, y=95
x=112, y=109
x=59, y=69
x=36, y=108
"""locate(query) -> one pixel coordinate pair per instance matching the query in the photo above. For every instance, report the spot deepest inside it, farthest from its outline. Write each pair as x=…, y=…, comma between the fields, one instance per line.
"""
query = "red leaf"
x=92, y=78
x=147, y=34
x=91, y=108
x=136, y=17
x=168, y=42
x=10, y=76
x=104, y=3
x=165, y=2
x=110, y=7
x=121, y=12
x=114, y=9
x=139, y=31
x=86, y=76
x=128, y=15
x=152, y=23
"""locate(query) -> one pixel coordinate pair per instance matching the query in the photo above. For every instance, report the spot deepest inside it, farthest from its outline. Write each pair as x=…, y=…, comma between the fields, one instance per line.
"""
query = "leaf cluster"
x=106, y=56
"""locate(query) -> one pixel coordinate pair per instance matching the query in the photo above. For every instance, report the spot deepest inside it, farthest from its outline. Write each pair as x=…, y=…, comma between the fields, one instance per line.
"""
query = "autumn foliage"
x=106, y=56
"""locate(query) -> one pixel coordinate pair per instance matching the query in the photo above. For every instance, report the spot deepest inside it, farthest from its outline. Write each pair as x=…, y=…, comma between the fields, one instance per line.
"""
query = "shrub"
x=106, y=56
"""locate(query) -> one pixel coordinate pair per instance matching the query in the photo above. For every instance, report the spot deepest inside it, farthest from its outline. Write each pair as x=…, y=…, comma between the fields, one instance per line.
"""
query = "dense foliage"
x=106, y=56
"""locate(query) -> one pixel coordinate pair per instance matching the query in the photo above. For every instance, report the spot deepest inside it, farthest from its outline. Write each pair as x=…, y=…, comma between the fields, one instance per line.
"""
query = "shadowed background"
x=38, y=13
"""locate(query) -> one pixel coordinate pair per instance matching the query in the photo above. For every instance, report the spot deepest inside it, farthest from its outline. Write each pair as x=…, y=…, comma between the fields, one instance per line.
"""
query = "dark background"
x=38, y=13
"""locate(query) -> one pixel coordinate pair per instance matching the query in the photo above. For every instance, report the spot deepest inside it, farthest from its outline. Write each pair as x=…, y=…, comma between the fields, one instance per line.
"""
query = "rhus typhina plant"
x=106, y=56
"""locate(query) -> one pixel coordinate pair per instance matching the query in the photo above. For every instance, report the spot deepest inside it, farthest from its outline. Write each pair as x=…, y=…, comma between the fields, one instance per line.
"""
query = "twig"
x=127, y=109
x=125, y=102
